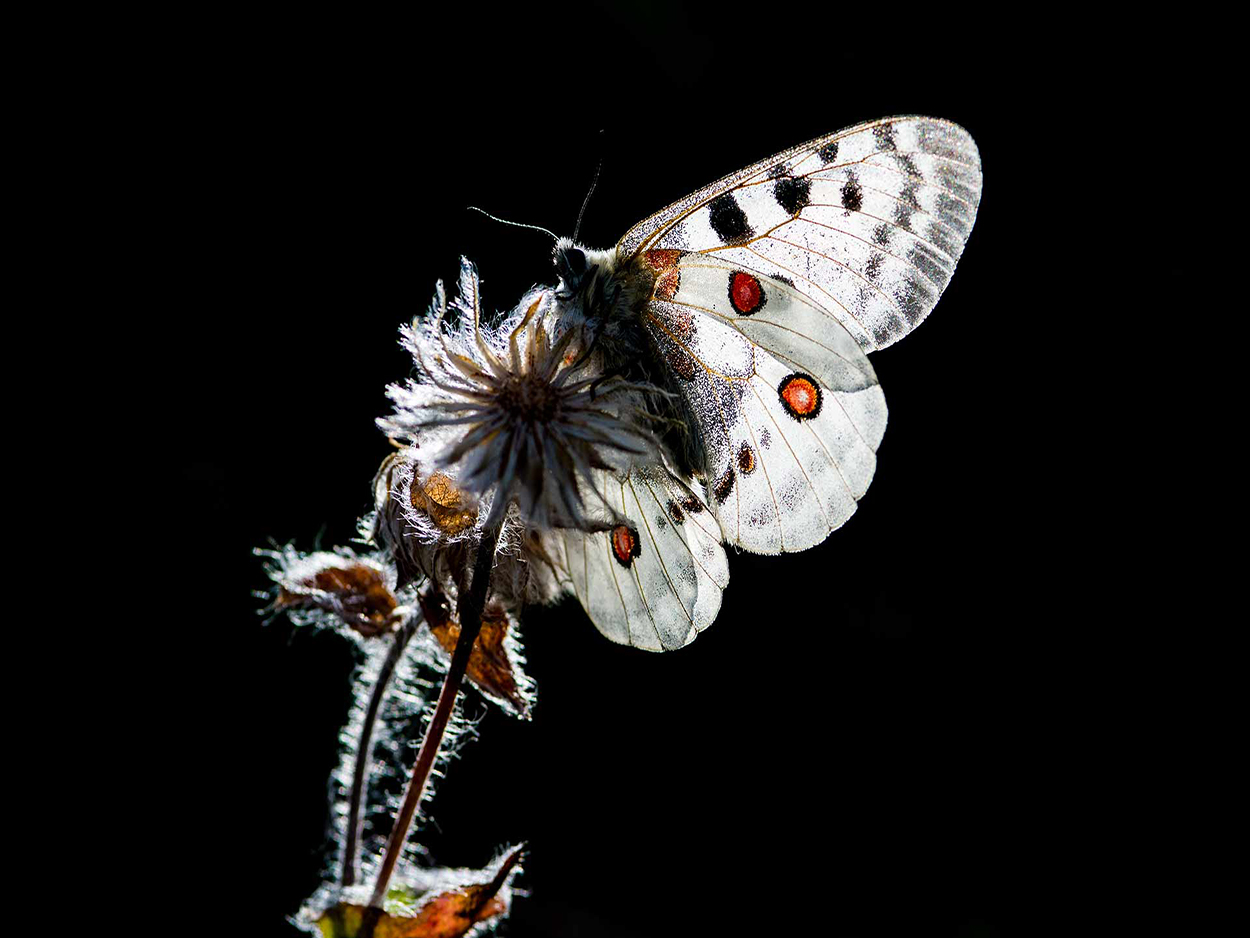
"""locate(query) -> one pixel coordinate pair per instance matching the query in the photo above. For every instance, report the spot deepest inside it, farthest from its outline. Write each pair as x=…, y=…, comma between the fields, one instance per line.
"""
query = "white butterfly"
x=755, y=300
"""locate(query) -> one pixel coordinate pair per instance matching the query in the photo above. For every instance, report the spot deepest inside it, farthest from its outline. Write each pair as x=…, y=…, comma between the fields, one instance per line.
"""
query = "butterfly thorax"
x=604, y=296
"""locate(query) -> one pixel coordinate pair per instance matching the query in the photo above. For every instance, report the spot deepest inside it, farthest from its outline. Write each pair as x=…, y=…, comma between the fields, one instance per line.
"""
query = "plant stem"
x=365, y=743
x=470, y=626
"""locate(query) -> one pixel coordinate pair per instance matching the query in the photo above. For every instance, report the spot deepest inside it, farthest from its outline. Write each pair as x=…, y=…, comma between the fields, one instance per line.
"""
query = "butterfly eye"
x=571, y=265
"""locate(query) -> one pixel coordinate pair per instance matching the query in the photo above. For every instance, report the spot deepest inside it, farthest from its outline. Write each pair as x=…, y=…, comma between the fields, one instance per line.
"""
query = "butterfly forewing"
x=655, y=580
x=868, y=223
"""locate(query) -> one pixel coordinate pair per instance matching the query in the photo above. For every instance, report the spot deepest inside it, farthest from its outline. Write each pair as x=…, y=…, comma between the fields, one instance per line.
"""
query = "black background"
x=876, y=737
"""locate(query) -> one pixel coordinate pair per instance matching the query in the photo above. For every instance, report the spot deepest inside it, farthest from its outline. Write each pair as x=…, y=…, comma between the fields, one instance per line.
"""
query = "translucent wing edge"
x=644, y=232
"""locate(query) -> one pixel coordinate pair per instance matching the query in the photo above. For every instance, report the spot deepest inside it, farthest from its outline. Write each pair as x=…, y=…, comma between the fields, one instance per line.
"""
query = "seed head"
x=510, y=414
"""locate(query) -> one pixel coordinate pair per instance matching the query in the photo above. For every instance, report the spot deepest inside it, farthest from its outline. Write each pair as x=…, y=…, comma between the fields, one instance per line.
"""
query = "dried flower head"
x=512, y=414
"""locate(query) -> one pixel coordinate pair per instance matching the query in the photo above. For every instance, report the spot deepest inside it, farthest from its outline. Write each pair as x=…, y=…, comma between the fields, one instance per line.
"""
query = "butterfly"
x=755, y=302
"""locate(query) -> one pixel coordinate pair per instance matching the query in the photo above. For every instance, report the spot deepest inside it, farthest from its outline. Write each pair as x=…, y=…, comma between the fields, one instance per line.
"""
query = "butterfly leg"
x=614, y=373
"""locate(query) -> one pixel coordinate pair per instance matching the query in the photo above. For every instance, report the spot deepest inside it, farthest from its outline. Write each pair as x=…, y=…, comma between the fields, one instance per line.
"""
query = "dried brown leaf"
x=446, y=505
x=355, y=592
x=490, y=667
x=448, y=913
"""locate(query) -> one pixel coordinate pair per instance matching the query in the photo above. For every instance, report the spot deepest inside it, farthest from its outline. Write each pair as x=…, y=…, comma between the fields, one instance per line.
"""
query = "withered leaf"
x=438, y=497
x=445, y=913
x=355, y=592
x=490, y=668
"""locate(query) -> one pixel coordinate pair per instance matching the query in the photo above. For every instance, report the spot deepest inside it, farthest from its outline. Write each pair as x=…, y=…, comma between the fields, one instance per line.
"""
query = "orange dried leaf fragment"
x=490, y=668
x=447, y=913
x=446, y=505
x=356, y=592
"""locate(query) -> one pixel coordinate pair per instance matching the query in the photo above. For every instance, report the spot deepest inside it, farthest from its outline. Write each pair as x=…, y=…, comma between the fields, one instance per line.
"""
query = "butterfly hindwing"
x=868, y=222
x=773, y=315
x=654, y=581
x=787, y=407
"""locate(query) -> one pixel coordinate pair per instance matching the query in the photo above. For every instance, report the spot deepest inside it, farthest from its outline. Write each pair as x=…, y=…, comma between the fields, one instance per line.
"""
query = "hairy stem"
x=365, y=743
x=470, y=625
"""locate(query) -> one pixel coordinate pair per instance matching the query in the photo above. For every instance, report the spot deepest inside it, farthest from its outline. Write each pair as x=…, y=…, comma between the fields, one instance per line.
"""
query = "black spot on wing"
x=872, y=270
x=792, y=194
x=675, y=512
x=885, y=136
x=776, y=172
x=881, y=234
x=852, y=195
x=728, y=219
x=907, y=165
x=829, y=152
x=902, y=216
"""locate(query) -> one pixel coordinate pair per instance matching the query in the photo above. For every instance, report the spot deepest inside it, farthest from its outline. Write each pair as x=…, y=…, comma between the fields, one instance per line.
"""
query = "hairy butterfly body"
x=755, y=301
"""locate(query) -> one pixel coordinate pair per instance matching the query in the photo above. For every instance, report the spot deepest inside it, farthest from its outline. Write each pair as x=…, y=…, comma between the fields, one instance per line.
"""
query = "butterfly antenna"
x=594, y=182
x=515, y=224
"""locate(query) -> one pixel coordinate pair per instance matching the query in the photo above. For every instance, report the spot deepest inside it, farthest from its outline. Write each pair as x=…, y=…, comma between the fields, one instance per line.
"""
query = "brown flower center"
x=529, y=399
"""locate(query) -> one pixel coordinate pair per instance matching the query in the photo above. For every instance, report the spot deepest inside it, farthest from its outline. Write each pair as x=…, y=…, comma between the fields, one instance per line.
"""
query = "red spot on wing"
x=625, y=546
x=745, y=293
x=801, y=396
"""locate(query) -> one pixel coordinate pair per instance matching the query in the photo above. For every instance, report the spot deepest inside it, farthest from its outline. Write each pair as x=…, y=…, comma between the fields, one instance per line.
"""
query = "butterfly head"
x=588, y=280
x=574, y=267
